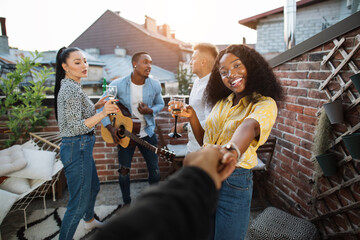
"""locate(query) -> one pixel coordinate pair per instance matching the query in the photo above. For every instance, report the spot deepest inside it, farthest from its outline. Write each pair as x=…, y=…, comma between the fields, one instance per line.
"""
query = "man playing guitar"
x=142, y=97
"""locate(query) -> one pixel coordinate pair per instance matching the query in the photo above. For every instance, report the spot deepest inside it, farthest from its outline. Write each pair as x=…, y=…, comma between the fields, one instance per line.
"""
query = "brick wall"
x=105, y=154
x=290, y=182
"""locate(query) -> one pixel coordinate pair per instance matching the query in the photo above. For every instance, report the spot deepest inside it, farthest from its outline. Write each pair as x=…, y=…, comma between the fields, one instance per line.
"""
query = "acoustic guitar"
x=128, y=129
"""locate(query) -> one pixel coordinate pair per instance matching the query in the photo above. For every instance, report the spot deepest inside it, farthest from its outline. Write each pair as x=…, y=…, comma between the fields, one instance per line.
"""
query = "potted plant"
x=334, y=111
x=356, y=81
x=23, y=104
x=352, y=143
x=326, y=159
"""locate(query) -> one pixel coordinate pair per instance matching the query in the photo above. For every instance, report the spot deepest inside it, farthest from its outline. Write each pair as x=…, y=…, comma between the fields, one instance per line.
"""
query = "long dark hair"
x=61, y=57
x=260, y=77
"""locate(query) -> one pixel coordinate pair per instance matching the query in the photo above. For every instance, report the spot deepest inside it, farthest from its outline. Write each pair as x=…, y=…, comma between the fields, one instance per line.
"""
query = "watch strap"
x=232, y=146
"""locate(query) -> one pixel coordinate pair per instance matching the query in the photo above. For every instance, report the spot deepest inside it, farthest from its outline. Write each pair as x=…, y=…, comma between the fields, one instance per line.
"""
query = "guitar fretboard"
x=140, y=141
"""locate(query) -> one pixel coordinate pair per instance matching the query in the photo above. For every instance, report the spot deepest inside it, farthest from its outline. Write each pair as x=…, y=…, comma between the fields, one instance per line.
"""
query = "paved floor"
x=109, y=195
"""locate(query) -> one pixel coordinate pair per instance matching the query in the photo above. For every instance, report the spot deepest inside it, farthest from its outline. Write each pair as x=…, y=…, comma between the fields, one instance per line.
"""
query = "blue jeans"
x=83, y=183
x=233, y=211
x=125, y=156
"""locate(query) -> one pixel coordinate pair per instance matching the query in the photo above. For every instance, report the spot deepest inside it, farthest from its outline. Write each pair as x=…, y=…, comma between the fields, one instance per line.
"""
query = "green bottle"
x=104, y=86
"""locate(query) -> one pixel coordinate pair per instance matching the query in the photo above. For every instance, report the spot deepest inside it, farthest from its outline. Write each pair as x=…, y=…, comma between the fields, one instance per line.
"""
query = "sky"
x=50, y=24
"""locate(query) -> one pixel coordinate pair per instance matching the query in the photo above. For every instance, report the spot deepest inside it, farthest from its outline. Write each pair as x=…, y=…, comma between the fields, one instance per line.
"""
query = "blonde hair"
x=207, y=48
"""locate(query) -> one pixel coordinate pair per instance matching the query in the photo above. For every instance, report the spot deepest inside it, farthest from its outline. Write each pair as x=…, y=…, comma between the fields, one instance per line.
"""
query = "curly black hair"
x=260, y=77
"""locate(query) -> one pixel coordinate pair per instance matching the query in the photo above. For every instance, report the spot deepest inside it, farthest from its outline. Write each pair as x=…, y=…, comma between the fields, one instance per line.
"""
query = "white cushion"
x=40, y=165
x=260, y=165
x=11, y=159
x=7, y=200
x=16, y=185
x=30, y=145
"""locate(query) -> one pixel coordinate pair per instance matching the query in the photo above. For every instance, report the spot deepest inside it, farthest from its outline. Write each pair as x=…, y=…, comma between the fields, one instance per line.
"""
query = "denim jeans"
x=83, y=183
x=125, y=156
x=233, y=211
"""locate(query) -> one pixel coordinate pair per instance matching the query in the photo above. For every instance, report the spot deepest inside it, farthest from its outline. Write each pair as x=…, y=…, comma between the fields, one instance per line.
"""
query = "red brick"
x=305, y=161
x=286, y=67
x=295, y=108
x=297, y=92
x=293, y=139
x=304, y=135
x=105, y=161
x=290, y=154
x=319, y=75
x=307, y=119
x=285, y=128
x=106, y=173
x=308, y=102
x=310, y=111
x=102, y=150
x=100, y=167
x=297, y=75
x=303, y=152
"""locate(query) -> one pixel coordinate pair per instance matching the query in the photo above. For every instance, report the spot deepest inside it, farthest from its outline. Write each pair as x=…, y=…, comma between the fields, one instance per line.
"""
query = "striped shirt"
x=73, y=107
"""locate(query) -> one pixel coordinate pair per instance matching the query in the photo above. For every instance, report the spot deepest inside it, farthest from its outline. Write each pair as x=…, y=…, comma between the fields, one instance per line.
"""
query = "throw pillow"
x=16, y=185
x=30, y=145
x=7, y=200
x=11, y=159
x=40, y=165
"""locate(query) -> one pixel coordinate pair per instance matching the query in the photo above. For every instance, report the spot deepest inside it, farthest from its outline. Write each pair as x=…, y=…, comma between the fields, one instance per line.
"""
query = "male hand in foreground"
x=215, y=160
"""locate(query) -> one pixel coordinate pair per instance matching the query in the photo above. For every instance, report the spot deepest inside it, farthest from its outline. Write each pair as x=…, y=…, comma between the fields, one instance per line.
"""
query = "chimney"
x=120, y=52
x=4, y=41
x=166, y=31
x=150, y=24
x=289, y=23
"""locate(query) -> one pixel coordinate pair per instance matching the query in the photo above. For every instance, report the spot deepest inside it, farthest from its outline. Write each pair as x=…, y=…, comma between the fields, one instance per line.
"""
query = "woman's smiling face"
x=233, y=73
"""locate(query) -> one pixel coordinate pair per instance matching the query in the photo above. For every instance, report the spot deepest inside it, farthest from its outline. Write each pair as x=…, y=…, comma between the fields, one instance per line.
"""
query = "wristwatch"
x=231, y=146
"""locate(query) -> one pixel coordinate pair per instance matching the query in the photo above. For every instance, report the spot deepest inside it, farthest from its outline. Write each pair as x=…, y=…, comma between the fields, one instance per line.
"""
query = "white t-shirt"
x=136, y=98
x=202, y=111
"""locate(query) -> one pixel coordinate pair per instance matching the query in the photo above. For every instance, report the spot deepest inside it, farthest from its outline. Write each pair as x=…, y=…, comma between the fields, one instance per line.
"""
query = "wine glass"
x=111, y=92
x=179, y=103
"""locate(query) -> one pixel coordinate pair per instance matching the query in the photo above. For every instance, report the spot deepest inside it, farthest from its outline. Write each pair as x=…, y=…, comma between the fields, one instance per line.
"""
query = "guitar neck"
x=141, y=142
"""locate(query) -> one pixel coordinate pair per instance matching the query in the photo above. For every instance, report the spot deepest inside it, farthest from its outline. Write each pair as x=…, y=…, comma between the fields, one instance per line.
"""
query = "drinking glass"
x=111, y=92
x=179, y=103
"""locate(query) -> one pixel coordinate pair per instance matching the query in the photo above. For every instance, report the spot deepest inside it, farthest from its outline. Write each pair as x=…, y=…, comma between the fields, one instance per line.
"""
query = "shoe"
x=93, y=224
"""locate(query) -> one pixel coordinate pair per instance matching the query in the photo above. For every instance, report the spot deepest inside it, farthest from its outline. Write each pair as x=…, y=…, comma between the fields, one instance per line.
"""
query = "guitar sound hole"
x=121, y=131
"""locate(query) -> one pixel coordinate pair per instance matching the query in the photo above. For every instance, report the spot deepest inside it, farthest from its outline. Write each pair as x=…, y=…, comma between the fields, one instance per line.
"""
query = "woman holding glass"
x=76, y=118
x=242, y=90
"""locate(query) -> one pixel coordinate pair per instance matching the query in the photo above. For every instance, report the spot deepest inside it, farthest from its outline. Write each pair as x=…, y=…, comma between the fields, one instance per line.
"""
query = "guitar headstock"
x=166, y=154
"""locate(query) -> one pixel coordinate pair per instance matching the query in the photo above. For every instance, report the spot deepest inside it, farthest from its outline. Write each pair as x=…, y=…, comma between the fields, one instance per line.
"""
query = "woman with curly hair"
x=242, y=92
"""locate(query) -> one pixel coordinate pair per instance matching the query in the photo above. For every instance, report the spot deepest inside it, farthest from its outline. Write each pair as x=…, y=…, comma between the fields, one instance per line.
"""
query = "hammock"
x=47, y=141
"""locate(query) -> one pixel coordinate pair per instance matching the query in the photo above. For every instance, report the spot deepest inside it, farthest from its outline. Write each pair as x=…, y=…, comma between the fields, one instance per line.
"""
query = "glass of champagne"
x=179, y=103
x=111, y=92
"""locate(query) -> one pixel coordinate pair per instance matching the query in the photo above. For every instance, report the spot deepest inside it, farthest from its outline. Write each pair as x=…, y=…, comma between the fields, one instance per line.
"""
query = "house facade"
x=111, y=31
x=312, y=17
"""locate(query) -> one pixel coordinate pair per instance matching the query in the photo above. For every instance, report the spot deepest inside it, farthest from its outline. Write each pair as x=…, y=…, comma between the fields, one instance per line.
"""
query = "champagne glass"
x=179, y=103
x=111, y=91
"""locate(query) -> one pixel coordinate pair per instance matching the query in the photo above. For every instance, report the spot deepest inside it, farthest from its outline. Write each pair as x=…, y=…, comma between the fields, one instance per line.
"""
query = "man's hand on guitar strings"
x=114, y=133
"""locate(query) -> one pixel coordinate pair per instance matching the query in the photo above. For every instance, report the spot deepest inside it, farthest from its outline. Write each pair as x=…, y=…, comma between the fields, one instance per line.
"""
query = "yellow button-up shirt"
x=225, y=119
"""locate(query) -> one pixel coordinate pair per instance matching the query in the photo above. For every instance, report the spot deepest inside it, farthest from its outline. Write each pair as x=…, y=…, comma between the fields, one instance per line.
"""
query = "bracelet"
x=231, y=146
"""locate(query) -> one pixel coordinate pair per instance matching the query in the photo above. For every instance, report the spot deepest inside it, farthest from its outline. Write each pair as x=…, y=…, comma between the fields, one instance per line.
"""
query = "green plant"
x=184, y=78
x=322, y=139
x=325, y=161
x=23, y=107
